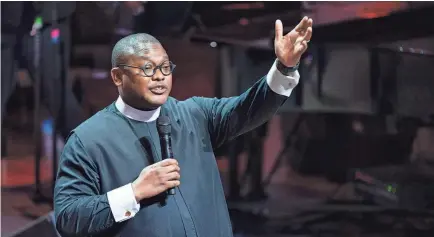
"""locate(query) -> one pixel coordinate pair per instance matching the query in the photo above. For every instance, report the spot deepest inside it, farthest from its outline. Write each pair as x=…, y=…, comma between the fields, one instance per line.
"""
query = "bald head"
x=135, y=44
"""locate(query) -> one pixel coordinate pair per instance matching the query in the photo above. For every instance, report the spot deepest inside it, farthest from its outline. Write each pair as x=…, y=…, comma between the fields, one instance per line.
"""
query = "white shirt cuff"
x=123, y=203
x=281, y=84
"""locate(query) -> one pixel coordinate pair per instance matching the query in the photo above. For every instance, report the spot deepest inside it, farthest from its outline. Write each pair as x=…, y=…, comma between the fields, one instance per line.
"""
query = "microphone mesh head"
x=163, y=125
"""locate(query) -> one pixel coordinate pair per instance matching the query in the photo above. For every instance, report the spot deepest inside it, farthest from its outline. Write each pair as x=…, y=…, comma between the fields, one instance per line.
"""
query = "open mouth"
x=159, y=90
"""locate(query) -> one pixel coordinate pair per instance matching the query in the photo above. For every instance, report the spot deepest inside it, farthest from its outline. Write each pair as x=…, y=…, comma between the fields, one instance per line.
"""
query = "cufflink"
x=127, y=213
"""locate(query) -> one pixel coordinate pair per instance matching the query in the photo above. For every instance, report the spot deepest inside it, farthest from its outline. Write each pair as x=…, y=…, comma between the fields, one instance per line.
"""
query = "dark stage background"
x=350, y=153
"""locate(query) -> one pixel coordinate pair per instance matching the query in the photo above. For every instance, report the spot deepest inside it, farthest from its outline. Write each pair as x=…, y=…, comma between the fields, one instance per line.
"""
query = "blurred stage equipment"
x=36, y=33
x=184, y=19
x=165, y=19
x=366, y=55
x=10, y=21
x=49, y=16
x=406, y=187
x=398, y=84
x=354, y=70
x=374, y=80
x=43, y=227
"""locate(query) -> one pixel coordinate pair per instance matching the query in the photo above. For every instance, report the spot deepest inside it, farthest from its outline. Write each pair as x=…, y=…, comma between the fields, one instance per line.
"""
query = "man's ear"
x=116, y=74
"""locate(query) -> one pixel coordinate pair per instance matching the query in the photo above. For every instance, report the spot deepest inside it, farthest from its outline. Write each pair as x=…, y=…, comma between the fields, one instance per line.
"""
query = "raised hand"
x=290, y=47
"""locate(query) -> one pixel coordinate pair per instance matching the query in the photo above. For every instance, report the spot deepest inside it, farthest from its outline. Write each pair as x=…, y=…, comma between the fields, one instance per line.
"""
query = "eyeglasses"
x=149, y=70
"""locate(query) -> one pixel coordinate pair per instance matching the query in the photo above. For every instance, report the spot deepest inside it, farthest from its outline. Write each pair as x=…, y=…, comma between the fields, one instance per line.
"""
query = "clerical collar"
x=138, y=115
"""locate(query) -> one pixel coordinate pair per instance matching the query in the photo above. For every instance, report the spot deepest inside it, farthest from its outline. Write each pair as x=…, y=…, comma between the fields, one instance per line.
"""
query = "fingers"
x=167, y=173
x=302, y=25
x=172, y=176
x=166, y=162
x=301, y=47
x=278, y=30
x=309, y=22
x=172, y=184
x=170, y=168
x=308, y=34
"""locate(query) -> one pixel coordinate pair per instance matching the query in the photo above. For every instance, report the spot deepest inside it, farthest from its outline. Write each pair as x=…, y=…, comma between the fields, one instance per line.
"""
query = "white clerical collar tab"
x=135, y=114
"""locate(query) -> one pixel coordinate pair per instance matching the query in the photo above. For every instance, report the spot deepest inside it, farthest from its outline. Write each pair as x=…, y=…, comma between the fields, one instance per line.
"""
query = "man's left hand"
x=290, y=47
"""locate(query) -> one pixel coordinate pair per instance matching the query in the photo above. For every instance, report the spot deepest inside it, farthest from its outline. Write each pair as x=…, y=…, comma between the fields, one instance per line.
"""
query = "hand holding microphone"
x=156, y=178
x=163, y=175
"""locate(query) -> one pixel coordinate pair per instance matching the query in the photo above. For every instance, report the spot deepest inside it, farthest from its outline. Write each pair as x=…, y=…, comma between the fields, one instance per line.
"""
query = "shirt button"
x=127, y=213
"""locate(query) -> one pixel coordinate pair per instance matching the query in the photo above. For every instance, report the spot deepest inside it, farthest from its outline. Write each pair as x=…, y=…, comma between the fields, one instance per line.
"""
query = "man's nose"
x=158, y=75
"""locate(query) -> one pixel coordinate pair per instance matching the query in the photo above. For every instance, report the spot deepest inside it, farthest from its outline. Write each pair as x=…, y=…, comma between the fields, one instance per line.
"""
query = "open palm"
x=290, y=47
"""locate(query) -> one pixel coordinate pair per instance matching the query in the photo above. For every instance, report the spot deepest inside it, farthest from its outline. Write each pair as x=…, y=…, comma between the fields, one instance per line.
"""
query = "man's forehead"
x=152, y=56
x=148, y=51
x=145, y=45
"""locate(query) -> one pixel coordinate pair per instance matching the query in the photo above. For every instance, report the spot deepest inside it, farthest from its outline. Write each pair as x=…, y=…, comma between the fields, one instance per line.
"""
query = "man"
x=111, y=179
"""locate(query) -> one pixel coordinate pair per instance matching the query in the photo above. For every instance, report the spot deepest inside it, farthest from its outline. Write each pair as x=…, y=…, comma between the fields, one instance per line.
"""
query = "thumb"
x=278, y=30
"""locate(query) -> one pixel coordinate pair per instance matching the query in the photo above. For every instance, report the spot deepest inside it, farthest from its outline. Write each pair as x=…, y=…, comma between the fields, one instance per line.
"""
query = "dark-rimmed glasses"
x=149, y=70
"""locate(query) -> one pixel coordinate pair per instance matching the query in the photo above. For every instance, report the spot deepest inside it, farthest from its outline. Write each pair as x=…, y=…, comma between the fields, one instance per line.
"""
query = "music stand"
x=58, y=116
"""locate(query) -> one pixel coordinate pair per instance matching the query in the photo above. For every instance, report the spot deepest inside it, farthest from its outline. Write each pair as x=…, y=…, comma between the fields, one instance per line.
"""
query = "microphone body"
x=164, y=132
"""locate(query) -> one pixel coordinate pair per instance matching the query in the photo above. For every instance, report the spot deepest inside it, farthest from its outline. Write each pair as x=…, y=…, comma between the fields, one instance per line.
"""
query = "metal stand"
x=227, y=84
x=37, y=117
x=286, y=148
x=58, y=116
x=256, y=141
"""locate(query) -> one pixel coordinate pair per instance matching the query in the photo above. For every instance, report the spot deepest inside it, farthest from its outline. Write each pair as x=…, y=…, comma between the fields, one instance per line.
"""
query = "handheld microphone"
x=164, y=131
